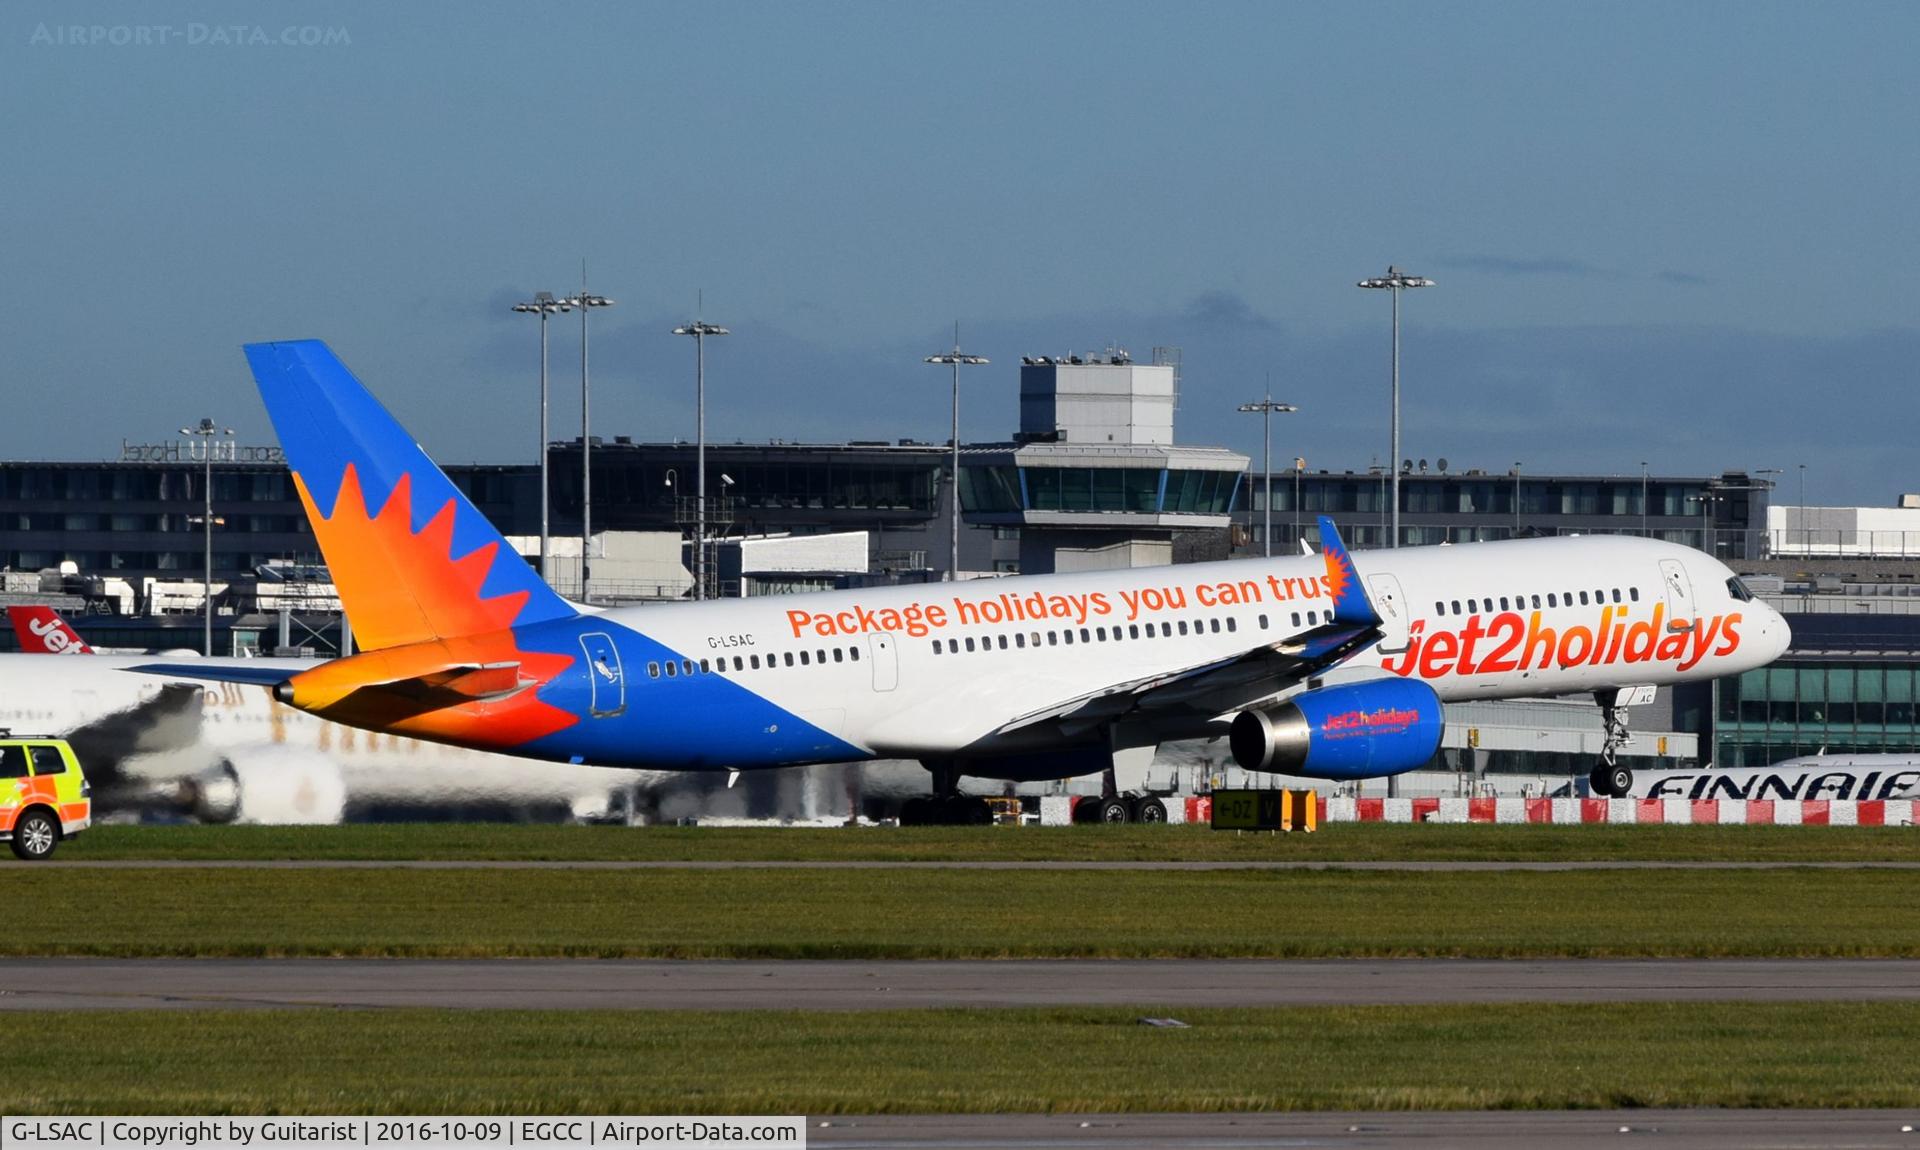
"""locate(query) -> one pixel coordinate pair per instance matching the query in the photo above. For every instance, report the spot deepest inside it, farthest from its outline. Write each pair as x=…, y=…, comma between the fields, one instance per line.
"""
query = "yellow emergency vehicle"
x=44, y=796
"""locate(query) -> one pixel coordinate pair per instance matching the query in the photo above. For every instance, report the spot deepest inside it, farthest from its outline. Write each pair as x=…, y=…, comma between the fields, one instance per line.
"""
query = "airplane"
x=1330, y=666
x=220, y=752
x=1841, y=776
x=41, y=630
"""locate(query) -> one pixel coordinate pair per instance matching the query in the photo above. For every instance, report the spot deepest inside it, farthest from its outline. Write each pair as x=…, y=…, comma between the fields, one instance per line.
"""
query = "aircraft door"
x=1392, y=606
x=1679, y=591
x=608, y=688
x=886, y=662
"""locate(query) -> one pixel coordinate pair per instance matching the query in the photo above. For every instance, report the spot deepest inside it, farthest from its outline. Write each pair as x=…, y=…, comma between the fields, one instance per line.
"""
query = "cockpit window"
x=1739, y=590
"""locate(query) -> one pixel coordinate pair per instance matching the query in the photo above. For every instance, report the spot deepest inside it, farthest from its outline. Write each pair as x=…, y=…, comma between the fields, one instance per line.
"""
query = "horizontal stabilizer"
x=215, y=672
x=475, y=680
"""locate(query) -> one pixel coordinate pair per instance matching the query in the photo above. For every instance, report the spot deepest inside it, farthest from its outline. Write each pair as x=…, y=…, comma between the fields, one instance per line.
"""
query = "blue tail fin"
x=411, y=556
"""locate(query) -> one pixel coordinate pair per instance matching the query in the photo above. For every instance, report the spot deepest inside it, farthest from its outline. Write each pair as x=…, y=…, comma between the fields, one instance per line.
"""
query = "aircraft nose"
x=1782, y=633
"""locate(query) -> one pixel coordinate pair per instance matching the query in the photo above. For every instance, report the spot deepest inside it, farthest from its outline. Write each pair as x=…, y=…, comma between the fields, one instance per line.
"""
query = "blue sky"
x=1677, y=233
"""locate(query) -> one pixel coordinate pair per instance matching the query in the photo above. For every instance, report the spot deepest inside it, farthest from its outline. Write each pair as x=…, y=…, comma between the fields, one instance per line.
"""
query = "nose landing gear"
x=1610, y=777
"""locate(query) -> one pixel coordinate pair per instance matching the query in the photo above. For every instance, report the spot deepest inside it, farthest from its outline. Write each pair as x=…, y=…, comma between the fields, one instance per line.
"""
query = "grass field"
x=1443, y=1057
x=947, y=913
x=1349, y=842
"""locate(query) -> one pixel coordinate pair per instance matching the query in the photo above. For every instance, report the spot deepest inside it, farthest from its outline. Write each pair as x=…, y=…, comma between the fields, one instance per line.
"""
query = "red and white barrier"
x=1683, y=812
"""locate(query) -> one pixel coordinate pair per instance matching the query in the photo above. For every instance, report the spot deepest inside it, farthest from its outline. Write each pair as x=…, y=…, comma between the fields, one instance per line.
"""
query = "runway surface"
x=969, y=864
x=1470, y=1130
x=123, y=984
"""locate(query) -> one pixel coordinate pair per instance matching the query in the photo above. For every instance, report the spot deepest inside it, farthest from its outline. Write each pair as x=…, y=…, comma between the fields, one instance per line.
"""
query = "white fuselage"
x=934, y=670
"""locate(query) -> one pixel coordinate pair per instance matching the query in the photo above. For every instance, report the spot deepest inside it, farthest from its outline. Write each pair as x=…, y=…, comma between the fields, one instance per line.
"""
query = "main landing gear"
x=1612, y=778
x=946, y=807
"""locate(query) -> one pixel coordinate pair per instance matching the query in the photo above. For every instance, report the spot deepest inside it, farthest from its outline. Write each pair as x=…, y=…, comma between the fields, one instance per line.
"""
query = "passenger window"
x=754, y=661
x=1053, y=638
x=1020, y=638
x=653, y=670
x=839, y=655
x=1503, y=602
x=705, y=667
x=938, y=646
x=1183, y=626
x=1633, y=593
x=1066, y=636
x=1231, y=625
x=1583, y=598
x=1616, y=594
x=1133, y=630
x=1536, y=602
x=739, y=664
x=969, y=642
x=1263, y=622
x=1101, y=632
x=820, y=656
x=1216, y=625
x=673, y=670
x=1296, y=618
x=1166, y=630
x=1553, y=600
x=1456, y=607
x=855, y=652
x=1439, y=608
x=789, y=659
x=686, y=667
x=1003, y=642
x=1085, y=636
x=1473, y=606
x=48, y=761
x=13, y=762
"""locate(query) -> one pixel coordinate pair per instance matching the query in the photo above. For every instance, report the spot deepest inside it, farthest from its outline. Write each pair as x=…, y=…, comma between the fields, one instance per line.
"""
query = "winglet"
x=1349, y=595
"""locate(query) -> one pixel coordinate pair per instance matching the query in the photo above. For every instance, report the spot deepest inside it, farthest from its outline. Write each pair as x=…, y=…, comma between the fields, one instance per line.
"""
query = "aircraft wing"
x=1250, y=675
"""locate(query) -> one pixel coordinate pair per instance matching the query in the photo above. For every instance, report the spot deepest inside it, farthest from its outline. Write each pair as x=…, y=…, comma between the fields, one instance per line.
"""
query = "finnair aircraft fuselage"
x=971, y=671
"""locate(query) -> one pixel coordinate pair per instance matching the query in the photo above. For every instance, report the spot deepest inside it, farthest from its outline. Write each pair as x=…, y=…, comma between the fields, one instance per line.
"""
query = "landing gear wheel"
x=1114, y=810
x=1150, y=810
x=1599, y=783
x=35, y=836
x=1619, y=781
x=961, y=811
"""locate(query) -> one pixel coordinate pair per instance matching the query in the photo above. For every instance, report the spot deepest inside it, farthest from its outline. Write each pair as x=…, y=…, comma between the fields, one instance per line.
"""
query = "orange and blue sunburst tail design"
x=412, y=558
x=1350, y=602
x=426, y=581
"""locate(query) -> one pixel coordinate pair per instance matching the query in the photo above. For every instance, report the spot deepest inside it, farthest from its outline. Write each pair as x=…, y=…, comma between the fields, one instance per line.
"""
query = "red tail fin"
x=42, y=631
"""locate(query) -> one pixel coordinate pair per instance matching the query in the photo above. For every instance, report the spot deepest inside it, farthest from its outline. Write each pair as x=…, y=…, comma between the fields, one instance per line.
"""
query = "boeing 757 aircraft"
x=1331, y=665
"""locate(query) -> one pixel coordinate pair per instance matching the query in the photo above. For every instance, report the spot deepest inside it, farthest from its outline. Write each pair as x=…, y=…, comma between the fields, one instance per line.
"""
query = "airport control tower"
x=1094, y=479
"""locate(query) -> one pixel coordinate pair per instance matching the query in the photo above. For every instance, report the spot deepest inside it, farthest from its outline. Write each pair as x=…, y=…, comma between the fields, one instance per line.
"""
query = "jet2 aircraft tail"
x=42, y=631
x=413, y=559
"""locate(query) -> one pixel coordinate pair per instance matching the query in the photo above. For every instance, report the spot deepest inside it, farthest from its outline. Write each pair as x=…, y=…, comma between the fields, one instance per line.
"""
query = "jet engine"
x=1350, y=731
x=268, y=785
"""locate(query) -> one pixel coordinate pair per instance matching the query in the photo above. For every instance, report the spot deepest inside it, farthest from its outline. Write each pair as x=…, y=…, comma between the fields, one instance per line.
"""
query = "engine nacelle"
x=1351, y=731
x=274, y=785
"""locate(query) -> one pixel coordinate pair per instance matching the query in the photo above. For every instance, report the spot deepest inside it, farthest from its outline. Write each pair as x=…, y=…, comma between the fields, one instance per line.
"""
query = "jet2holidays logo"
x=188, y=36
x=1512, y=642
